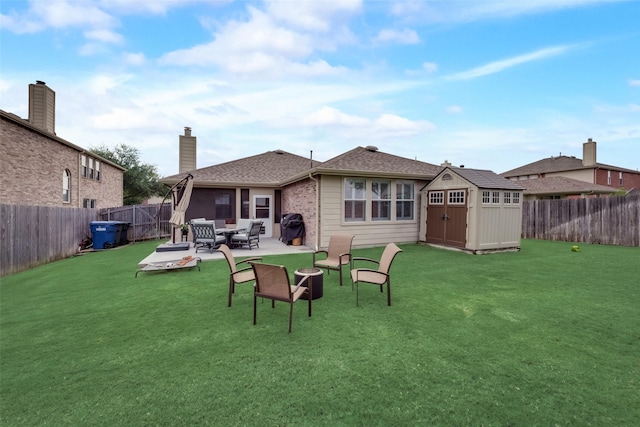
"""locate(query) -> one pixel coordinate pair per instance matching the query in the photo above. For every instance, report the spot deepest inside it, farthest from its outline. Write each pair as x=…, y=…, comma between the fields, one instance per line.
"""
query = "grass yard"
x=545, y=336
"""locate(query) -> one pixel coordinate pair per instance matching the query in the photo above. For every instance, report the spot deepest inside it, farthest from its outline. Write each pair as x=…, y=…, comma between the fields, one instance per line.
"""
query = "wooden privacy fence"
x=34, y=235
x=603, y=220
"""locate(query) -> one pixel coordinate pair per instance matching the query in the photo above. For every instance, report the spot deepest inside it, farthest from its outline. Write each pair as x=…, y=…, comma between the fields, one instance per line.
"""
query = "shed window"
x=66, y=186
x=404, y=201
x=457, y=197
x=507, y=197
x=516, y=198
x=381, y=200
x=354, y=199
x=495, y=197
x=486, y=197
x=436, y=197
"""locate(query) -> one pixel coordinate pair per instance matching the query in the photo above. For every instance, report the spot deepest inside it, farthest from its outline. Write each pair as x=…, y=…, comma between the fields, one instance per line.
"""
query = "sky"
x=488, y=84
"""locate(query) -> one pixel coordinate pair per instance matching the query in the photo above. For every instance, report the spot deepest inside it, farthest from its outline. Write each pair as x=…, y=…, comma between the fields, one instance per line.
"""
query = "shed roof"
x=483, y=178
x=562, y=185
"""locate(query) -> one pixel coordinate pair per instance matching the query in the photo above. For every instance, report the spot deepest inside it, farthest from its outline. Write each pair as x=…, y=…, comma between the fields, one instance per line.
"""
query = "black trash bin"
x=292, y=228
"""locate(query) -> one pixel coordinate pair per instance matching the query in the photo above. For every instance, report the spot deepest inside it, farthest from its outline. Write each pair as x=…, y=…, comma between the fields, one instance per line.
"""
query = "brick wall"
x=629, y=180
x=32, y=165
x=300, y=197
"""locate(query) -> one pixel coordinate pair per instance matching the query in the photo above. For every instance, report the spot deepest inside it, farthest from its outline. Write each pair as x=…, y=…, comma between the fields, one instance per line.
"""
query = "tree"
x=141, y=181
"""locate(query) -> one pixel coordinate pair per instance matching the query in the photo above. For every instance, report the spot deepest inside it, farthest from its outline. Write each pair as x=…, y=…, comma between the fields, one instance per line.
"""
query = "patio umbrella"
x=177, y=218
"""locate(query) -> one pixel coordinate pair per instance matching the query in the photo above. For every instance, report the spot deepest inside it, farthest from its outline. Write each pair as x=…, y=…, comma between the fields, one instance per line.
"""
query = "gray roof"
x=557, y=164
x=368, y=160
x=267, y=169
x=482, y=178
x=563, y=185
x=276, y=168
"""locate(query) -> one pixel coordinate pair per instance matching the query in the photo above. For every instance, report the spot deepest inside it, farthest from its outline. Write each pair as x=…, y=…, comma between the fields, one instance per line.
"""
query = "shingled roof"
x=482, y=178
x=561, y=185
x=276, y=168
x=267, y=170
x=368, y=160
x=557, y=164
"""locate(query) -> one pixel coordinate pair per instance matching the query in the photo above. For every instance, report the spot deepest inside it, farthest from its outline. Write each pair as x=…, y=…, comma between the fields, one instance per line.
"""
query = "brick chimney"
x=187, y=158
x=589, y=153
x=42, y=106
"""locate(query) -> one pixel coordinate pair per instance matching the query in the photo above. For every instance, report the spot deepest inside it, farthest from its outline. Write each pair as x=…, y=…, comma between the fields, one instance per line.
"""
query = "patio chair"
x=379, y=276
x=272, y=282
x=250, y=238
x=338, y=254
x=204, y=235
x=237, y=275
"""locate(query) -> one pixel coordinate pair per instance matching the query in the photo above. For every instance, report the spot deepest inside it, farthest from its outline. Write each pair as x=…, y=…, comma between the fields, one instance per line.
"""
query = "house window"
x=97, y=170
x=436, y=197
x=507, y=197
x=495, y=197
x=486, y=197
x=620, y=178
x=224, y=202
x=66, y=186
x=244, y=203
x=380, y=200
x=91, y=170
x=84, y=166
x=404, y=201
x=354, y=199
x=516, y=198
x=608, y=177
x=457, y=197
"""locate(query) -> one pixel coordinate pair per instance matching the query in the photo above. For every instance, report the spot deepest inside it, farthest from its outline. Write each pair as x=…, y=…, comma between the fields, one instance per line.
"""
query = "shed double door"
x=447, y=217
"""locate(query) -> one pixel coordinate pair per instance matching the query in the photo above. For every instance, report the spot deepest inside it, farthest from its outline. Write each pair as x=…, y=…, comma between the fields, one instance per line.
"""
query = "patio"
x=268, y=246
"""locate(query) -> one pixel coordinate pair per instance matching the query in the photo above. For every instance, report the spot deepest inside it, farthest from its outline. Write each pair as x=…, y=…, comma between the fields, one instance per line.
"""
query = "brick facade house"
x=570, y=177
x=39, y=168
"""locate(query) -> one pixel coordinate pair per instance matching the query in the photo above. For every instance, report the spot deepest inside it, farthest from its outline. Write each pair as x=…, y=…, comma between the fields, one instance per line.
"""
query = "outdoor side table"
x=316, y=276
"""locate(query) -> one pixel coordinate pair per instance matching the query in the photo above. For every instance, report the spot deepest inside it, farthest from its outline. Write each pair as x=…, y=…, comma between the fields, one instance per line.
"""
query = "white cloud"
x=454, y=109
x=134, y=58
x=430, y=67
x=405, y=36
x=463, y=11
x=633, y=82
x=497, y=66
x=105, y=36
x=313, y=15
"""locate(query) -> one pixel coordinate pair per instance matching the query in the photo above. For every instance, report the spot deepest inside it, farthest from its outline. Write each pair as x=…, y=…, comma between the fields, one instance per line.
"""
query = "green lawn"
x=545, y=336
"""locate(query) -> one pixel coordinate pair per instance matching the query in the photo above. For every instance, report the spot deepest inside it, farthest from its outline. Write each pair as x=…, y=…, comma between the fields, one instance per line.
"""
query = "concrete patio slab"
x=268, y=246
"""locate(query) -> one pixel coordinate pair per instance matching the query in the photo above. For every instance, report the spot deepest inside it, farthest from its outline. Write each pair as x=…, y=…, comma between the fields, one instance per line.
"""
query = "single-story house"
x=373, y=195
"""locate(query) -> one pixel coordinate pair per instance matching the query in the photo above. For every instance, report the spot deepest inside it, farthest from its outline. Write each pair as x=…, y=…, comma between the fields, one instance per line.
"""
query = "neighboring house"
x=39, y=168
x=372, y=195
x=560, y=187
x=472, y=209
x=587, y=170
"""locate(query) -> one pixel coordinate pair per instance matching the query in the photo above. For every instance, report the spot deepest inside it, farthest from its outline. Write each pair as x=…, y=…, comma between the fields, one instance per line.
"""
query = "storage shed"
x=472, y=209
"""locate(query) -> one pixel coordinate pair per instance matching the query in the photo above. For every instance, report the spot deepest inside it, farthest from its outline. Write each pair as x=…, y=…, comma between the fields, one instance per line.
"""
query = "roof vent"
x=371, y=148
x=279, y=152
